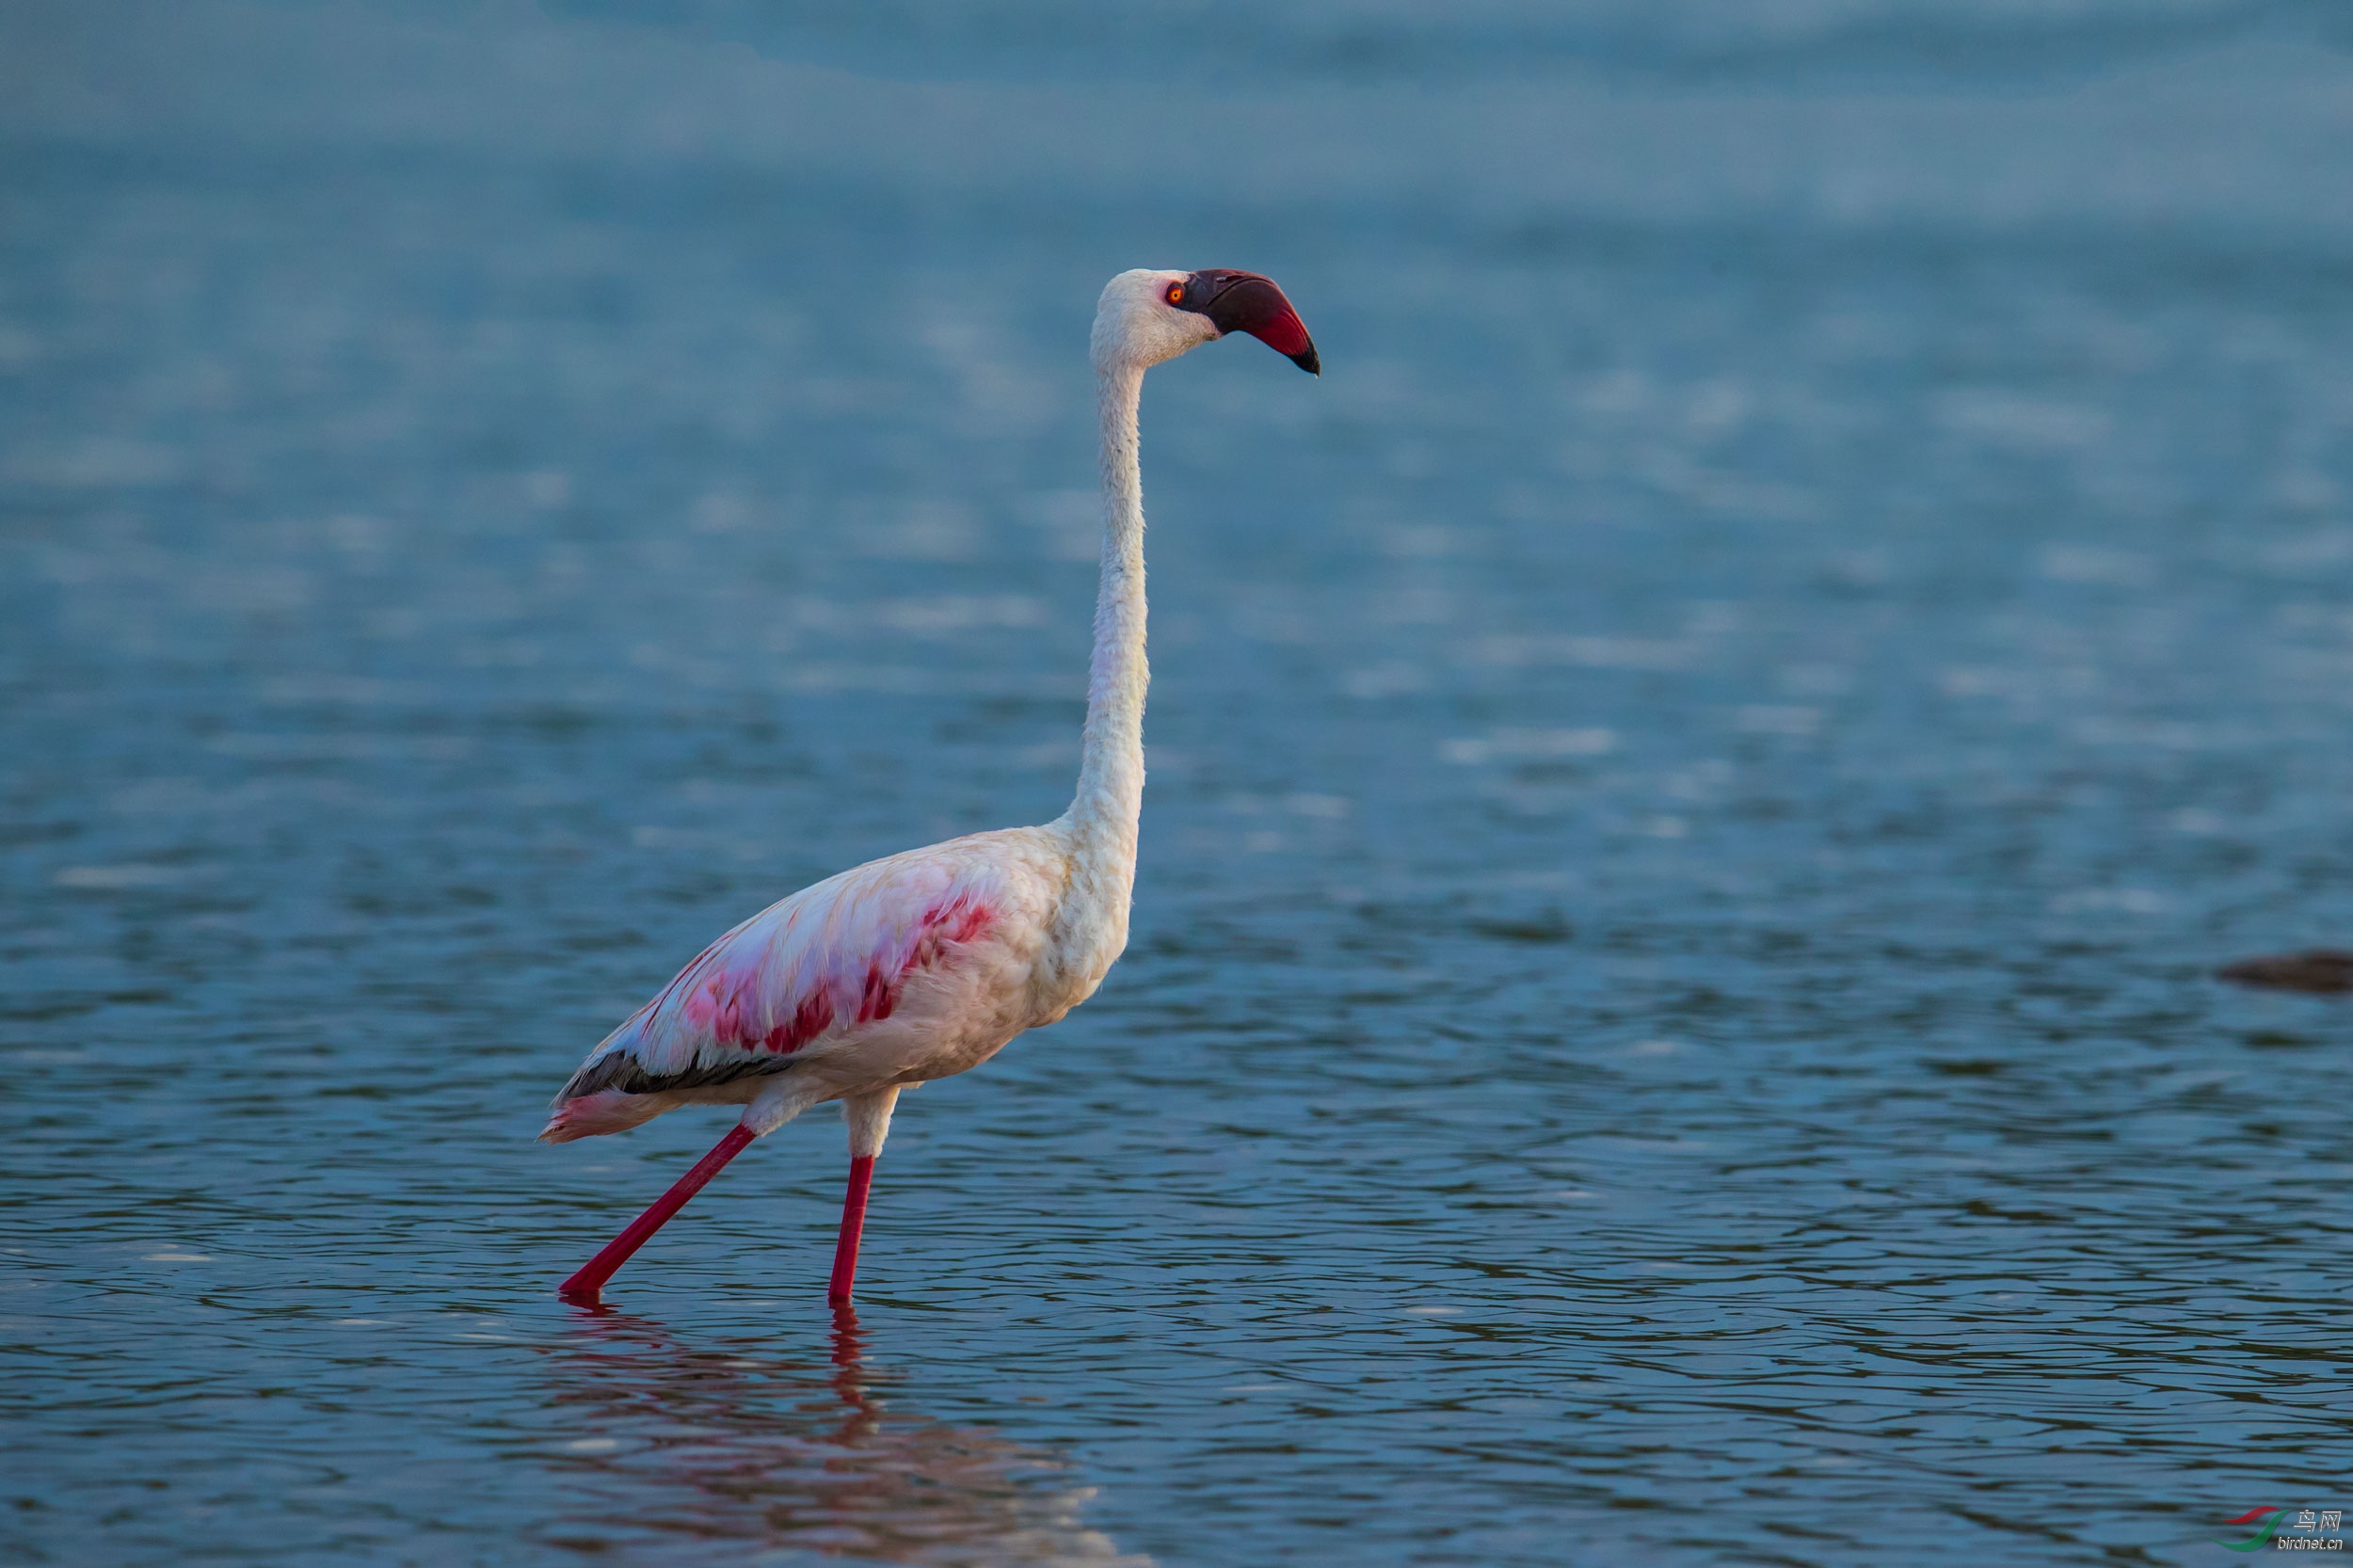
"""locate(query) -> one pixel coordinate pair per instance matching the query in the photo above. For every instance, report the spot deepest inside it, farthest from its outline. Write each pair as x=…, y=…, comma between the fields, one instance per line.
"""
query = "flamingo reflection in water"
x=732, y=1443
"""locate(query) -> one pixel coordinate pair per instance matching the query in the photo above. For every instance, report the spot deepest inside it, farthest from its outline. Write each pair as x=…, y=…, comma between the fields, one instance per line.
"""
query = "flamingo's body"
x=924, y=965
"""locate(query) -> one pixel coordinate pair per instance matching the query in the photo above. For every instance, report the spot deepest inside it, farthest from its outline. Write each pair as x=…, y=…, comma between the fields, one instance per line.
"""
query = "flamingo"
x=924, y=964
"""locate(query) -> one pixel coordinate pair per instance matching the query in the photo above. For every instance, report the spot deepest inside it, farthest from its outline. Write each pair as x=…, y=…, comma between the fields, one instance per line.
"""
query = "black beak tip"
x=1307, y=361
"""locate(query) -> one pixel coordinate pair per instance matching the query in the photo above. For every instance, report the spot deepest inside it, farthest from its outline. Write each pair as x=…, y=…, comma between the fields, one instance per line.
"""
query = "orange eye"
x=1175, y=294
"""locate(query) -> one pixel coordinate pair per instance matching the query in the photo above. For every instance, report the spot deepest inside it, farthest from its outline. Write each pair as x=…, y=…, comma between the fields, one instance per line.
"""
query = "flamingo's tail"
x=590, y=1115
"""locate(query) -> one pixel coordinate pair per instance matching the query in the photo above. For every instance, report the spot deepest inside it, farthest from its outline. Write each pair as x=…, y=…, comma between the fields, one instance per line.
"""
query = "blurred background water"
x=1698, y=775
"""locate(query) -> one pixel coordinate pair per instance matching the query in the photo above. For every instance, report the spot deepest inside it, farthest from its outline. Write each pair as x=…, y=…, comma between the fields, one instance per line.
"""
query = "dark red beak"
x=1246, y=302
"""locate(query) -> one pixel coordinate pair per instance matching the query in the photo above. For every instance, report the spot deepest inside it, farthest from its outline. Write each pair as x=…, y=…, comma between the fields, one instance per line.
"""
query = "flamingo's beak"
x=1246, y=302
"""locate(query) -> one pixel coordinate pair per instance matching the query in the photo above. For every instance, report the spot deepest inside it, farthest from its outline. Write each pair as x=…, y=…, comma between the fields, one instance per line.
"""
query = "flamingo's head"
x=1147, y=316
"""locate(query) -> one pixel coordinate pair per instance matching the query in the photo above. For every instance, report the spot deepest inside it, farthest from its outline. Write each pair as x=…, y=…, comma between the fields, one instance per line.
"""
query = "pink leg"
x=585, y=1284
x=853, y=1225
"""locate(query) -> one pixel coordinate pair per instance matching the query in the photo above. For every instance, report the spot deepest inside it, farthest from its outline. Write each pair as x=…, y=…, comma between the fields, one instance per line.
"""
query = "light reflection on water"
x=1697, y=777
x=730, y=1444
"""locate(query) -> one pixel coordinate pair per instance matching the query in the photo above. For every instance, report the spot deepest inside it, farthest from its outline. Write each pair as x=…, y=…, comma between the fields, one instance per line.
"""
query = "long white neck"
x=1103, y=815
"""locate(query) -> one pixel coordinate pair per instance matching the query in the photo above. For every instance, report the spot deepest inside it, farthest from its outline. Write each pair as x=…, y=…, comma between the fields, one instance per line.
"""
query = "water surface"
x=1698, y=776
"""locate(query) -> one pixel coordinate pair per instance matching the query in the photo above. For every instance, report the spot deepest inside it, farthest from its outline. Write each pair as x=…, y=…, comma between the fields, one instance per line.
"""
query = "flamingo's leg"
x=584, y=1284
x=869, y=1116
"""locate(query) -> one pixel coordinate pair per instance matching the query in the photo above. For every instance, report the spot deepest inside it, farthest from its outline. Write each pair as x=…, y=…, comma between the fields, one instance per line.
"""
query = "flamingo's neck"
x=1103, y=816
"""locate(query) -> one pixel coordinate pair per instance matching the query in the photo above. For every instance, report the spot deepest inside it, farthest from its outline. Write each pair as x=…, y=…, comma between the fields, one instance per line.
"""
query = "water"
x=1697, y=777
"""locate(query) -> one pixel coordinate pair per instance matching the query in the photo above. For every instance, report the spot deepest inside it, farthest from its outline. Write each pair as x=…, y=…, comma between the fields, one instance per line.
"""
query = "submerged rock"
x=2319, y=969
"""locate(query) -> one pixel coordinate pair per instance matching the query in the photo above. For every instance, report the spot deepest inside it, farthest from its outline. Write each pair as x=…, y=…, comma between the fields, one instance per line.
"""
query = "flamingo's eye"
x=1175, y=294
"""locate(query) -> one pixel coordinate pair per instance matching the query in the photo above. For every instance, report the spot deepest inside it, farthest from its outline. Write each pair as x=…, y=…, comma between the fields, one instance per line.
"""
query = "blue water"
x=1697, y=777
